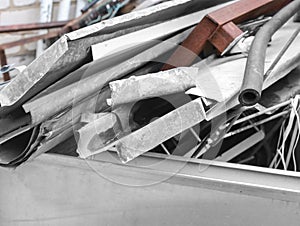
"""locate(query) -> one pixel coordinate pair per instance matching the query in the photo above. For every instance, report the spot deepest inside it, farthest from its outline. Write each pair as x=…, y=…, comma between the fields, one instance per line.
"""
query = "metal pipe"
x=254, y=73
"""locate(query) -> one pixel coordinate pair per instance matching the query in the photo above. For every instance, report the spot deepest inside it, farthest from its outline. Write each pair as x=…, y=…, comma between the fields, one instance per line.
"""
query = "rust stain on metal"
x=219, y=29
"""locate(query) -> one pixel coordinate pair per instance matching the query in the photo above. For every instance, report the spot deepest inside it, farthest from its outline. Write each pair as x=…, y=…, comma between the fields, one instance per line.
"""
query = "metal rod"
x=261, y=113
x=165, y=149
x=284, y=49
x=33, y=26
x=195, y=134
x=256, y=124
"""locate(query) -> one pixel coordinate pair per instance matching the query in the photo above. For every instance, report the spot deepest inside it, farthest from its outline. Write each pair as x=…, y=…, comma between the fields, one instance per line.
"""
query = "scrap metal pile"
x=216, y=80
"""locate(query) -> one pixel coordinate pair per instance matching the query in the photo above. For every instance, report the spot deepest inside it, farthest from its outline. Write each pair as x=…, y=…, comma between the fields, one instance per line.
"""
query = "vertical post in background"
x=64, y=10
x=79, y=5
x=45, y=16
x=3, y=60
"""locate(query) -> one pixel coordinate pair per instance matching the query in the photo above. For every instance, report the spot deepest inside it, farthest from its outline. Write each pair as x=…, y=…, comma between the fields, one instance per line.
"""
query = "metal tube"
x=254, y=73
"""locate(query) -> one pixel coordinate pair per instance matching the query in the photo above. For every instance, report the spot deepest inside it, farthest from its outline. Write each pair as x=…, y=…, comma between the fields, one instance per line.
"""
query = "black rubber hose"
x=254, y=73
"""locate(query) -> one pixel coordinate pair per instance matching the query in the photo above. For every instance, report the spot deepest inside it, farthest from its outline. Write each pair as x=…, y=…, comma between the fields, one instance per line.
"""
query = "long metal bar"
x=263, y=182
x=247, y=118
x=32, y=26
x=251, y=193
x=28, y=40
x=257, y=123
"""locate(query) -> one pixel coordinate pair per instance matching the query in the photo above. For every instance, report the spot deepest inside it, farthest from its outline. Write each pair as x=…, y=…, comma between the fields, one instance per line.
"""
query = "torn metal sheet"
x=158, y=84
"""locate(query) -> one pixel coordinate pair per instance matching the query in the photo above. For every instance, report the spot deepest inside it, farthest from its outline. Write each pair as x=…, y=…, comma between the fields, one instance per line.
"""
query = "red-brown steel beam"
x=31, y=27
x=28, y=40
x=219, y=29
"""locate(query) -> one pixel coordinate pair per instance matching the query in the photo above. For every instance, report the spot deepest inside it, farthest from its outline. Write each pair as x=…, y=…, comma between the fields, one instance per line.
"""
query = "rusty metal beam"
x=28, y=40
x=32, y=26
x=219, y=29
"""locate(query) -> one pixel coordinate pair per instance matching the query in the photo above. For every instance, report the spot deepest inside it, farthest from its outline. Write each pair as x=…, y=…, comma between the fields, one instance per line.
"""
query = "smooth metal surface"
x=58, y=190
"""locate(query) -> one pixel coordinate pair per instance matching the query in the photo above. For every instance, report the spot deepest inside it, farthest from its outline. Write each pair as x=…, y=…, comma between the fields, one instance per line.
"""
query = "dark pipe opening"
x=249, y=97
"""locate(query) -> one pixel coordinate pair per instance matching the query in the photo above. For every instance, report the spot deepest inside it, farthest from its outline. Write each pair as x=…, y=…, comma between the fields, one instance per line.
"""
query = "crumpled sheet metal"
x=158, y=84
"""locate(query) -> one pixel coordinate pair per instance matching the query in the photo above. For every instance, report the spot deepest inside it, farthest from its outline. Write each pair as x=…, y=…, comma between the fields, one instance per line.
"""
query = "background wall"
x=22, y=12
